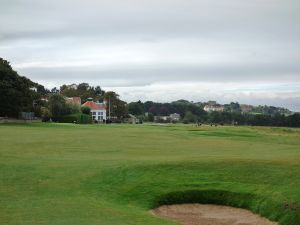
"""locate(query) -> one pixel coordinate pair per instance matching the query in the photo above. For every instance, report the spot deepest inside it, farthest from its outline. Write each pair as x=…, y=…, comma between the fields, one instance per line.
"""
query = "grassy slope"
x=85, y=174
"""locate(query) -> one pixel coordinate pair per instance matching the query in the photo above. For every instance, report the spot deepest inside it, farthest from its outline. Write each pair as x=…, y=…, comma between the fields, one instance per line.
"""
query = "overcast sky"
x=161, y=50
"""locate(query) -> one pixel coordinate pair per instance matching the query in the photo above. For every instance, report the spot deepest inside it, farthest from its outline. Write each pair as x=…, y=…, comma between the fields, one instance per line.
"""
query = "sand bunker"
x=205, y=214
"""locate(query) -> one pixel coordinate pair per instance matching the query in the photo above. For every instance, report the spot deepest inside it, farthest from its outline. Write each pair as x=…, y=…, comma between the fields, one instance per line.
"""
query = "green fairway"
x=66, y=174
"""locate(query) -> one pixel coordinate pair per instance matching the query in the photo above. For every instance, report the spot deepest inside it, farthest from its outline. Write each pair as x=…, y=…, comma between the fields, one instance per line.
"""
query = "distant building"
x=161, y=118
x=171, y=118
x=211, y=103
x=214, y=108
x=73, y=100
x=26, y=115
x=73, y=86
x=45, y=99
x=174, y=117
x=98, y=110
x=246, y=108
x=132, y=119
x=33, y=89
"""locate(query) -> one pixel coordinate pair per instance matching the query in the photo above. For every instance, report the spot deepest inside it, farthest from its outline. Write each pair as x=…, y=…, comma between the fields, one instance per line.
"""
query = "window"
x=94, y=113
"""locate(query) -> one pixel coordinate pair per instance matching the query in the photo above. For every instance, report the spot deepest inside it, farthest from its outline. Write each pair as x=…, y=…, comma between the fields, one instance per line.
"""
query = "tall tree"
x=57, y=106
x=16, y=93
x=136, y=108
x=115, y=106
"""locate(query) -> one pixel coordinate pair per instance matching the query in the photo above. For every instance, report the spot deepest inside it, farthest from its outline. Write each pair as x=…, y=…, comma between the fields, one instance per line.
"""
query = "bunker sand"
x=206, y=214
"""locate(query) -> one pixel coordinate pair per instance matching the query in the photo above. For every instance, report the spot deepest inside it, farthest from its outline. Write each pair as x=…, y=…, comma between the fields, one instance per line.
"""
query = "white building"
x=33, y=89
x=132, y=119
x=214, y=108
x=163, y=118
x=98, y=110
x=175, y=117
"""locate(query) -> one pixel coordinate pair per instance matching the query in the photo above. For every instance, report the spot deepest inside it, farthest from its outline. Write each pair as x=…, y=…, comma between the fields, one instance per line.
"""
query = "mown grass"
x=88, y=174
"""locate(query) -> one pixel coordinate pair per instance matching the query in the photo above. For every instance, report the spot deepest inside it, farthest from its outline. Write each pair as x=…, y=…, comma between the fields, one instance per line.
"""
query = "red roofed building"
x=98, y=110
x=73, y=100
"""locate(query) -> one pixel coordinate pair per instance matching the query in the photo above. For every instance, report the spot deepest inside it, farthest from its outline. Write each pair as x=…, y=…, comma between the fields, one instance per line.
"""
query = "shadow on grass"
x=205, y=197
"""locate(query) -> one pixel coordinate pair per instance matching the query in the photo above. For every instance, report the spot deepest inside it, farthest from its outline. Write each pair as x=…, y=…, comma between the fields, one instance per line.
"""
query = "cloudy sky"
x=161, y=50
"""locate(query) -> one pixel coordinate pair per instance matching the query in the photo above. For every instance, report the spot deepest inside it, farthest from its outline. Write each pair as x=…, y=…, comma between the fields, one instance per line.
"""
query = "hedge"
x=79, y=118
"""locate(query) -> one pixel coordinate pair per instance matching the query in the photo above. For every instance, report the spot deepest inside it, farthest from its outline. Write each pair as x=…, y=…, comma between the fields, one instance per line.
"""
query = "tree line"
x=18, y=93
x=191, y=112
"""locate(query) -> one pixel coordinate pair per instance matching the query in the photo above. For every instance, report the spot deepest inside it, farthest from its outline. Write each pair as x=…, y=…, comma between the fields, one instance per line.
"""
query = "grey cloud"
x=253, y=19
x=148, y=75
x=179, y=41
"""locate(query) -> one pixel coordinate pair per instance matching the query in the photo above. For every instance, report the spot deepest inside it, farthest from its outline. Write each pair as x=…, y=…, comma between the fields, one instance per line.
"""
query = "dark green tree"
x=189, y=117
x=115, y=105
x=293, y=120
x=57, y=106
x=85, y=110
x=16, y=92
x=136, y=108
x=150, y=117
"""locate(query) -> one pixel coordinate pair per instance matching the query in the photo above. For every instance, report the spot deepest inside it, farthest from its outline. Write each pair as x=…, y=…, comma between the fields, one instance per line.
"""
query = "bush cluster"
x=79, y=118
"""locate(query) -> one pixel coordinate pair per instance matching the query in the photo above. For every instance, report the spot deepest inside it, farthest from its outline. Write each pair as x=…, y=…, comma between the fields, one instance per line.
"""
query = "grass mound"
x=222, y=183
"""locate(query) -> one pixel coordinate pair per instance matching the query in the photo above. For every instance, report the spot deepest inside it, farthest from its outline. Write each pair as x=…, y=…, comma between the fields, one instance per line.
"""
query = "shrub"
x=73, y=108
x=46, y=114
x=150, y=117
x=189, y=118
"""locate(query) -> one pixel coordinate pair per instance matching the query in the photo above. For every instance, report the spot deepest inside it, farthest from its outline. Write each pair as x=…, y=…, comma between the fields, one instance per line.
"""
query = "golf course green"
x=68, y=174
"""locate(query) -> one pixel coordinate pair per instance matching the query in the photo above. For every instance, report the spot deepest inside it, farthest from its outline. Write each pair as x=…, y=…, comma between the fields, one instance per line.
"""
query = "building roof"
x=74, y=100
x=94, y=106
